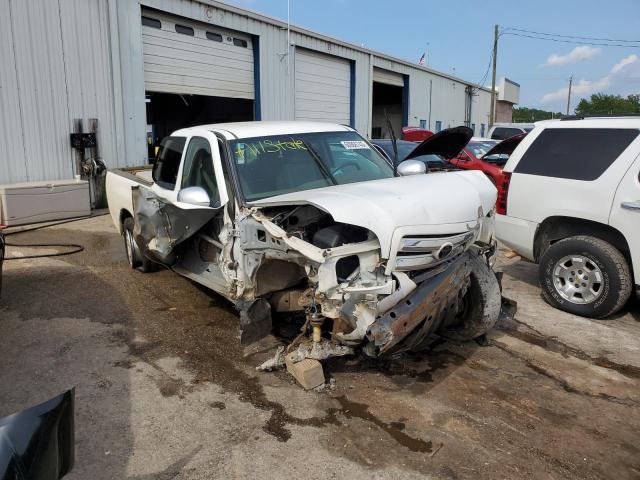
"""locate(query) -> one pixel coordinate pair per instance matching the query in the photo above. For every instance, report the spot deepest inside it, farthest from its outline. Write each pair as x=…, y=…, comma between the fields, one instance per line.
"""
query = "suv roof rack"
x=613, y=115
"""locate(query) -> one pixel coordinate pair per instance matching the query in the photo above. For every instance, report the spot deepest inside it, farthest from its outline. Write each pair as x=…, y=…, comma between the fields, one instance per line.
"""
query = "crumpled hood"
x=384, y=205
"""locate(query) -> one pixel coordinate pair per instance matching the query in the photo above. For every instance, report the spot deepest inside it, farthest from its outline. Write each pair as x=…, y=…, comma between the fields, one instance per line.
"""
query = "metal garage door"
x=323, y=87
x=387, y=77
x=183, y=56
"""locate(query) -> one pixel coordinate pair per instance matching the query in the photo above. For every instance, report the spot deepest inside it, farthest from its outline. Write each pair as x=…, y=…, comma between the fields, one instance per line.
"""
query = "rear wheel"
x=585, y=276
x=481, y=305
x=135, y=258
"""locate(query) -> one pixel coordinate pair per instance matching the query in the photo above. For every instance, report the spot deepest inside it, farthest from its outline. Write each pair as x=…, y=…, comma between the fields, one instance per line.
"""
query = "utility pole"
x=569, y=95
x=493, y=77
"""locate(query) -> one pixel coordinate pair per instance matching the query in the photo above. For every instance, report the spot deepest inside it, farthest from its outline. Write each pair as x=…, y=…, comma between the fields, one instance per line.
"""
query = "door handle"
x=631, y=205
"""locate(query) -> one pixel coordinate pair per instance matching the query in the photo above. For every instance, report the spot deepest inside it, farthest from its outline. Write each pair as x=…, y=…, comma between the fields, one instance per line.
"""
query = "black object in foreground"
x=38, y=443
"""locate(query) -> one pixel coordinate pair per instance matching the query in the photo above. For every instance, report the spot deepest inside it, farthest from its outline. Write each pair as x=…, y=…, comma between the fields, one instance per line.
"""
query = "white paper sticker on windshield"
x=355, y=145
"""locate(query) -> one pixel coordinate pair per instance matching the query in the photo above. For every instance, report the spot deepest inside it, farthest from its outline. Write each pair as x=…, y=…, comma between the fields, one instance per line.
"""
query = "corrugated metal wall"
x=56, y=66
x=323, y=87
x=66, y=59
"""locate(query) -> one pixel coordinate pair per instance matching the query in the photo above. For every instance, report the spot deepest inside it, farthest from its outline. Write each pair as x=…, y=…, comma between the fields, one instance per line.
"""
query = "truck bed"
x=119, y=183
x=140, y=174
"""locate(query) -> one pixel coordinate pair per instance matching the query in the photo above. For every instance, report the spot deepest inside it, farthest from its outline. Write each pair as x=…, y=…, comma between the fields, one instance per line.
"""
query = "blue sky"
x=459, y=35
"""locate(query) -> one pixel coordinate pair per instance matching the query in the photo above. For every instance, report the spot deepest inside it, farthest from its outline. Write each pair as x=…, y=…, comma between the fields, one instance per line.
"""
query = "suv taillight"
x=503, y=193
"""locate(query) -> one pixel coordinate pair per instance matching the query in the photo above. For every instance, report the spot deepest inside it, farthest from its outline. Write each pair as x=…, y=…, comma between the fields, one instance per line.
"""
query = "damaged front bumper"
x=433, y=303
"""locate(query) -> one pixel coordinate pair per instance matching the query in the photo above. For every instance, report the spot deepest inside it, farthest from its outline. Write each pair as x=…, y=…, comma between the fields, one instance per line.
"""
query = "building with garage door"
x=137, y=69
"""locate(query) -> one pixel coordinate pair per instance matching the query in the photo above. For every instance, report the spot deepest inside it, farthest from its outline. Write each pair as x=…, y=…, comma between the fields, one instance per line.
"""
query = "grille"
x=421, y=252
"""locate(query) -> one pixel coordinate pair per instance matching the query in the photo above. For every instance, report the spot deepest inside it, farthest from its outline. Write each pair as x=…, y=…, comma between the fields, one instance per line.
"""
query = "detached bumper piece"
x=434, y=303
x=38, y=443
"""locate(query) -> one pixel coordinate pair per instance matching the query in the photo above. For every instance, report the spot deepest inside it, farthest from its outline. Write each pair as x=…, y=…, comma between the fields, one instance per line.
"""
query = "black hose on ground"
x=74, y=246
x=76, y=249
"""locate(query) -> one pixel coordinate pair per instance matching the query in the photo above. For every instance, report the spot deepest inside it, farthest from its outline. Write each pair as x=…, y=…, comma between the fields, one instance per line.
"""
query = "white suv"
x=570, y=202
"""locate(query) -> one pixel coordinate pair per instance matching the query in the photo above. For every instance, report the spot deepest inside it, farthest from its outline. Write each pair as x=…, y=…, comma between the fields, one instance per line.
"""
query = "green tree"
x=530, y=115
x=603, y=104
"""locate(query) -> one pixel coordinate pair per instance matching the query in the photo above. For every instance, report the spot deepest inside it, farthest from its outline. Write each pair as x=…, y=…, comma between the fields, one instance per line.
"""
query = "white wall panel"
x=387, y=77
x=179, y=63
x=13, y=166
x=42, y=89
x=322, y=87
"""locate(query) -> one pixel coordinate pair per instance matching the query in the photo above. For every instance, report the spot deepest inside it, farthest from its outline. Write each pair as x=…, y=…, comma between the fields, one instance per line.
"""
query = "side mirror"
x=194, y=196
x=411, y=167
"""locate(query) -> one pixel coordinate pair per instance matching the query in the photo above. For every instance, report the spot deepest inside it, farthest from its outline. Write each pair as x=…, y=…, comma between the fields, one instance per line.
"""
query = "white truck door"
x=202, y=167
x=193, y=155
x=625, y=213
x=161, y=220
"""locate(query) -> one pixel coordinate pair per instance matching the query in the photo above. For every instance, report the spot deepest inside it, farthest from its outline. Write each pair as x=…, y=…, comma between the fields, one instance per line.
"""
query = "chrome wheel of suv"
x=578, y=279
x=586, y=276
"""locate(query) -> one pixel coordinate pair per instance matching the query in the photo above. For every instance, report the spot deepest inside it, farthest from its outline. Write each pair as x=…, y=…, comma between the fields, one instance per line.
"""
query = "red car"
x=415, y=134
x=488, y=156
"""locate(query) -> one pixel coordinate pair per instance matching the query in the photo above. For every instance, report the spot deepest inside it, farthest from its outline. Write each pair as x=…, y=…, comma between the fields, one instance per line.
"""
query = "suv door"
x=625, y=213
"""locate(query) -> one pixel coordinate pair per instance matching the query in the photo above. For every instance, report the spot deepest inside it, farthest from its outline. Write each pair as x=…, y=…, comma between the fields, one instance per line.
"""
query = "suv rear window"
x=165, y=170
x=575, y=153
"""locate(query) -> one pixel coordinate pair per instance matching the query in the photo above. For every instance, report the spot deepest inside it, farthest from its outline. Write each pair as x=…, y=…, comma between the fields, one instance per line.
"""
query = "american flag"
x=421, y=61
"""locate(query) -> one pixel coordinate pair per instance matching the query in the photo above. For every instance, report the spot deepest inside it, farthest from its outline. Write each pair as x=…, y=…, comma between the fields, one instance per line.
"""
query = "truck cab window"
x=198, y=167
x=165, y=170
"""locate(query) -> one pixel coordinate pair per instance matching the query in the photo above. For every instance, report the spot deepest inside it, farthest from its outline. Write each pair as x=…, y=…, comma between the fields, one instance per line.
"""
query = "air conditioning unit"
x=32, y=202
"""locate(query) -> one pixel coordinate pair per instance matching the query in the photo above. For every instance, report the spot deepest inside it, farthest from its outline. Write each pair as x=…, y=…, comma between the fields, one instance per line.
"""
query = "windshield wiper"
x=323, y=168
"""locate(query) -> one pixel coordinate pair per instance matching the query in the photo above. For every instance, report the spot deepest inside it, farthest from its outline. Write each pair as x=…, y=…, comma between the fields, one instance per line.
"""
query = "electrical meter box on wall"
x=32, y=202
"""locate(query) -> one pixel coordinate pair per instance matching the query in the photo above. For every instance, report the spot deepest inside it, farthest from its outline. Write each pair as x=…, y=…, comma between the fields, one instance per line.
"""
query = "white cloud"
x=583, y=52
x=586, y=87
x=624, y=62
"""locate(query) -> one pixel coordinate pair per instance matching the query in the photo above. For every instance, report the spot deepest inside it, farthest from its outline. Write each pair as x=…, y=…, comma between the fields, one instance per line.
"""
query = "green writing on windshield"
x=269, y=146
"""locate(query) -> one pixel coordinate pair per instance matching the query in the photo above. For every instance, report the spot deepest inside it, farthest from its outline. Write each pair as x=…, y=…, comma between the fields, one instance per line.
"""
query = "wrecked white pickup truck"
x=310, y=218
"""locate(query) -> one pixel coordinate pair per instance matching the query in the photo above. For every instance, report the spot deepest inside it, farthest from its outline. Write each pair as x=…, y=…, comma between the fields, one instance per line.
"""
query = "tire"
x=135, y=258
x=600, y=259
x=482, y=305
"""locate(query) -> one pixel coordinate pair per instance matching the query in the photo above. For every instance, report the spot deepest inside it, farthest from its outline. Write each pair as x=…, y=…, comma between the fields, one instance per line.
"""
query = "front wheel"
x=481, y=305
x=585, y=276
x=135, y=258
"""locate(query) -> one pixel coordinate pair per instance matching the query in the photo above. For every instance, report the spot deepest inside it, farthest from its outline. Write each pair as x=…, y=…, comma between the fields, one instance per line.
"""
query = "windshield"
x=480, y=148
x=405, y=148
x=279, y=164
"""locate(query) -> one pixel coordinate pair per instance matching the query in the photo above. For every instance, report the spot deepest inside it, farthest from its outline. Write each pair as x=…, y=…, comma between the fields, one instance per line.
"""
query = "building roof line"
x=282, y=24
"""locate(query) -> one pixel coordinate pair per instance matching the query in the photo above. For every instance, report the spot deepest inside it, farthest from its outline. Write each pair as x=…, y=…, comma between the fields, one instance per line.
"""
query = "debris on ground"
x=307, y=372
x=309, y=350
x=274, y=363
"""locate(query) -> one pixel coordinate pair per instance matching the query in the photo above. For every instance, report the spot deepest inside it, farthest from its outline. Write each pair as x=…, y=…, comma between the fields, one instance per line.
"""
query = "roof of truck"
x=265, y=128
